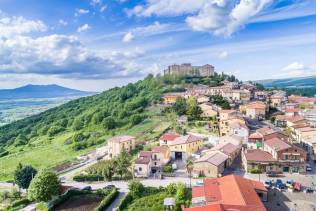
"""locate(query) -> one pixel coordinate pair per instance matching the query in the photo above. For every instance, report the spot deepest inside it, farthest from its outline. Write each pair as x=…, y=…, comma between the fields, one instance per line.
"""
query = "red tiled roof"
x=169, y=136
x=277, y=144
x=292, y=110
x=255, y=136
x=295, y=119
x=229, y=192
x=258, y=155
x=210, y=207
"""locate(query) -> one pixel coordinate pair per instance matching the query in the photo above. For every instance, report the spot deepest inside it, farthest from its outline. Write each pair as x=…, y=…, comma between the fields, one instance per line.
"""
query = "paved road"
x=117, y=201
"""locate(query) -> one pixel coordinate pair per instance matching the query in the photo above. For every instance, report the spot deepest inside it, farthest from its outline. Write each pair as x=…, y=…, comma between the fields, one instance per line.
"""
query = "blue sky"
x=98, y=44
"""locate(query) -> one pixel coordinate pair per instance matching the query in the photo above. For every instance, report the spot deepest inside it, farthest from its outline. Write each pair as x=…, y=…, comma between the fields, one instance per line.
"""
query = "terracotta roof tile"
x=169, y=136
x=258, y=155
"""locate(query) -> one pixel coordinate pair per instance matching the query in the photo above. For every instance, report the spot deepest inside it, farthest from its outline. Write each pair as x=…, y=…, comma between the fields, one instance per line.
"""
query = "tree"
x=109, y=123
x=109, y=169
x=77, y=124
x=136, y=188
x=180, y=194
x=220, y=101
x=44, y=186
x=23, y=175
x=180, y=106
x=123, y=161
x=193, y=110
x=189, y=167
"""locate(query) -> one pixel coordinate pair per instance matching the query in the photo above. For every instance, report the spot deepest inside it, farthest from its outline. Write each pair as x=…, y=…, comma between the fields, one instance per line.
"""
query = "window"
x=140, y=169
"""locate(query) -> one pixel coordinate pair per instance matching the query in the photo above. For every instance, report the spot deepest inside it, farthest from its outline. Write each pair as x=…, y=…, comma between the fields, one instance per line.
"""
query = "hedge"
x=17, y=205
x=89, y=177
x=255, y=171
x=108, y=200
x=125, y=202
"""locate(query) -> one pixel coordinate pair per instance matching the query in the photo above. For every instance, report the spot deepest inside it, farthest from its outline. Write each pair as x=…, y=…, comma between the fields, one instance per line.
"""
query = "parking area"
x=286, y=200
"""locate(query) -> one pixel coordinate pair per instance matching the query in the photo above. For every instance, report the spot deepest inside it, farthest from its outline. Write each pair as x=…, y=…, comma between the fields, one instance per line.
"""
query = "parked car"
x=308, y=190
x=274, y=173
x=268, y=183
x=109, y=187
x=290, y=183
x=308, y=167
x=87, y=188
x=280, y=185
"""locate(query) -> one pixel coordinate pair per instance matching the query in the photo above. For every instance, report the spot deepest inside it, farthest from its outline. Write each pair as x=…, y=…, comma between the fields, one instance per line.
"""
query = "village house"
x=151, y=162
x=208, y=111
x=167, y=138
x=118, y=143
x=304, y=132
x=291, y=112
x=184, y=146
x=280, y=121
x=309, y=144
x=170, y=98
x=309, y=115
x=229, y=149
x=212, y=164
x=228, y=193
x=226, y=117
x=260, y=95
x=254, y=110
x=142, y=167
x=291, y=158
x=241, y=95
x=277, y=101
x=295, y=120
x=255, y=141
x=202, y=99
x=258, y=159
x=240, y=129
x=186, y=69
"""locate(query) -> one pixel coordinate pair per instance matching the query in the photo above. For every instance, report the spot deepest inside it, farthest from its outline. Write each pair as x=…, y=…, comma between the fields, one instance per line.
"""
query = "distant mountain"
x=41, y=91
x=301, y=82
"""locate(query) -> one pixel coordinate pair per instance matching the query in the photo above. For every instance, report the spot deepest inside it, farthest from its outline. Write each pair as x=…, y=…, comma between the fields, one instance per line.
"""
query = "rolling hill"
x=300, y=82
x=40, y=91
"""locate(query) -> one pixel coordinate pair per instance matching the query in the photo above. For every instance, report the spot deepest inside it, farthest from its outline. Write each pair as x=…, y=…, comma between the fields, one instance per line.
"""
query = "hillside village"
x=234, y=139
x=263, y=132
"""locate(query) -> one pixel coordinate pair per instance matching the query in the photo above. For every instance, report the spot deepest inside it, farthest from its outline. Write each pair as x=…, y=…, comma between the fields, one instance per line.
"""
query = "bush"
x=89, y=177
x=16, y=205
x=108, y=200
x=61, y=199
x=44, y=186
x=136, y=188
x=167, y=169
x=255, y=171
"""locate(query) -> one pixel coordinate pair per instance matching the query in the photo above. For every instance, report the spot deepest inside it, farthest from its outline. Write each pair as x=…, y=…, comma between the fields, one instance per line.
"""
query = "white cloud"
x=10, y=26
x=294, y=66
x=60, y=56
x=128, y=37
x=80, y=12
x=219, y=17
x=62, y=22
x=223, y=55
x=83, y=28
x=295, y=69
x=95, y=2
x=103, y=8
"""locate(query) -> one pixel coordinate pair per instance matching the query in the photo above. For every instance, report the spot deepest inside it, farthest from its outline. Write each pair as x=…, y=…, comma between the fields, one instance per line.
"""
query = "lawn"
x=80, y=203
x=153, y=203
x=45, y=153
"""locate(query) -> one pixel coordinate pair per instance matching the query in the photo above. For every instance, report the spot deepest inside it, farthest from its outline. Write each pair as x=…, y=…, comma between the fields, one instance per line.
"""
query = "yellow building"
x=226, y=118
x=118, y=143
x=184, y=146
x=171, y=98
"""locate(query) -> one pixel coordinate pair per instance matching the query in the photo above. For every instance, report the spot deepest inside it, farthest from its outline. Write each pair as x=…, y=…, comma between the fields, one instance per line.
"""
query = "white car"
x=308, y=167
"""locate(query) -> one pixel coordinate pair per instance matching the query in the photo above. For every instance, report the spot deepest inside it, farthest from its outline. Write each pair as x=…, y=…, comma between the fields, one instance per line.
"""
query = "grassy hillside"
x=62, y=133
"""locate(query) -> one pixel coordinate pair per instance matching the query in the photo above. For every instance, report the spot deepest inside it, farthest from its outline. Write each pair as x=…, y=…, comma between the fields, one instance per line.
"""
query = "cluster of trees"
x=40, y=186
x=115, y=108
x=117, y=166
x=188, y=107
x=220, y=101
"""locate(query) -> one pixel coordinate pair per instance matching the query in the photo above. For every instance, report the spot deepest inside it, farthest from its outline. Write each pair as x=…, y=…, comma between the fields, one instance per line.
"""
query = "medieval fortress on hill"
x=187, y=69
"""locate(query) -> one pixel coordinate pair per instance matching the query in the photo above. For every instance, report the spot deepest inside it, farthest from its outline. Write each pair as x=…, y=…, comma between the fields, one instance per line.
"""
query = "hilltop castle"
x=187, y=69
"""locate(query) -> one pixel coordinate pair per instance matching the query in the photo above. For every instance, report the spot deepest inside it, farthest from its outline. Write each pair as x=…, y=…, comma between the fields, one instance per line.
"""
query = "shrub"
x=255, y=171
x=44, y=186
x=136, y=188
x=167, y=169
x=108, y=200
x=18, y=204
x=89, y=177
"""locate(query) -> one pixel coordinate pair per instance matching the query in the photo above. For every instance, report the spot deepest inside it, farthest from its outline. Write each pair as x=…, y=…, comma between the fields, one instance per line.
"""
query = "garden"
x=142, y=198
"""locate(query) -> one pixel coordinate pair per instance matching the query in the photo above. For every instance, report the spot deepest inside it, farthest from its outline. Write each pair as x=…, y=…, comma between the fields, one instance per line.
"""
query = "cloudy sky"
x=97, y=44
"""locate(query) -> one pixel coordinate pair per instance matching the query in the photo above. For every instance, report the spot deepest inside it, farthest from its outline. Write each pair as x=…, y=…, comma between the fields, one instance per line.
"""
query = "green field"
x=49, y=153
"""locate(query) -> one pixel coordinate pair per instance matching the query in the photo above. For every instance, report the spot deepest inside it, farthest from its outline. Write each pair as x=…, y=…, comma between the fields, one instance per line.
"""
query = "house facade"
x=118, y=143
